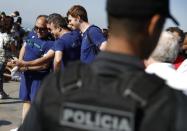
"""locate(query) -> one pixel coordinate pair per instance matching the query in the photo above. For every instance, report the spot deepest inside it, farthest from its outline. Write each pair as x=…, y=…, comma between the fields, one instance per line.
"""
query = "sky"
x=30, y=9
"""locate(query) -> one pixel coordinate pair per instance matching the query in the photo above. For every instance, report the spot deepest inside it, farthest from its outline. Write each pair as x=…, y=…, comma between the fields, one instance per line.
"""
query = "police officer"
x=135, y=27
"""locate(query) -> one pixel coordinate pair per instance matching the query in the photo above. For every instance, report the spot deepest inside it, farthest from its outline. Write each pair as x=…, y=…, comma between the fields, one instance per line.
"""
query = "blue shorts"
x=29, y=85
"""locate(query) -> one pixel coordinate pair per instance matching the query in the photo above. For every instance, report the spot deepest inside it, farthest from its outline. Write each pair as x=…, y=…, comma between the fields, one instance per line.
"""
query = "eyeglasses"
x=69, y=21
x=48, y=29
x=41, y=29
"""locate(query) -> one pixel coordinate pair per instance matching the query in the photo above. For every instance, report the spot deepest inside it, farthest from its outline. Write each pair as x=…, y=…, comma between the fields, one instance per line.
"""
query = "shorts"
x=29, y=85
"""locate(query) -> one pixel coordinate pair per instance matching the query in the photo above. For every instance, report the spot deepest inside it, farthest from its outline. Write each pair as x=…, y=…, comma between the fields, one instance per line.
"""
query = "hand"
x=23, y=69
x=19, y=63
x=10, y=64
x=150, y=61
x=184, y=47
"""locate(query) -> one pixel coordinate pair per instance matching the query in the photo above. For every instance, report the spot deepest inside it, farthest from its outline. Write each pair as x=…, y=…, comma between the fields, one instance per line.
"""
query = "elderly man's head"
x=41, y=26
x=177, y=31
x=168, y=48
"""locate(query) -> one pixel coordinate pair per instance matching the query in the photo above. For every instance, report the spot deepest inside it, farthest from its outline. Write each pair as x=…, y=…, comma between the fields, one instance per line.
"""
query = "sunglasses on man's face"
x=41, y=29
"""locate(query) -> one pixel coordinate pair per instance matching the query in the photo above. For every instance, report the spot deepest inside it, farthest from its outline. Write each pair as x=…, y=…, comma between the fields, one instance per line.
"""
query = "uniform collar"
x=115, y=61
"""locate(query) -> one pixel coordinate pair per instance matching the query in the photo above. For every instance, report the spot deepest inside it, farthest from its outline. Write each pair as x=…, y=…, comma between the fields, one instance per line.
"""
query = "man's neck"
x=121, y=46
x=84, y=26
x=150, y=61
x=63, y=31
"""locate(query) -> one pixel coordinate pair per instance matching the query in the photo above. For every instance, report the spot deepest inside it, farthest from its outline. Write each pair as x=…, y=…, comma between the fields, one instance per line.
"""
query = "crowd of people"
x=54, y=42
x=15, y=39
x=128, y=48
x=11, y=39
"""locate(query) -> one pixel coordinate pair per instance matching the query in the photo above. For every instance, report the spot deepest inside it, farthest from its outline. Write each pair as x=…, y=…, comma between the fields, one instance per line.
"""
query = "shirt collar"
x=85, y=29
x=116, y=61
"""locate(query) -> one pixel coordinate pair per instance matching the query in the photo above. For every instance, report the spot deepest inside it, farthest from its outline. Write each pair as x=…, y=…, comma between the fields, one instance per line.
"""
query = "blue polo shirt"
x=31, y=80
x=35, y=48
x=97, y=38
x=31, y=35
x=69, y=44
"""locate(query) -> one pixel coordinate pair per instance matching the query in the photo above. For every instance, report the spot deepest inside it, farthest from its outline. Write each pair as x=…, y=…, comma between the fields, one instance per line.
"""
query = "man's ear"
x=79, y=19
x=153, y=24
x=59, y=29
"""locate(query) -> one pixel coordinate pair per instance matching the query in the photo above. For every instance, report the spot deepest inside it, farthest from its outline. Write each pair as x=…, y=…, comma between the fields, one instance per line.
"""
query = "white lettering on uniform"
x=115, y=123
x=79, y=117
x=89, y=119
x=106, y=121
x=124, y=125
x=68, y=113
x=97, y=119
x=93, y=120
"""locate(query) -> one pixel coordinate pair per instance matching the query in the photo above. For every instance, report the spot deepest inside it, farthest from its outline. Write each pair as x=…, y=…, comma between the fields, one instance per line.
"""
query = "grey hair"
x=168, y=48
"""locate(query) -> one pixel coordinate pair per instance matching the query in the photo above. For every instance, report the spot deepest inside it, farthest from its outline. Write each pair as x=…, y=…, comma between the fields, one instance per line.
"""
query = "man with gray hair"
x=168, y=48
x=160, y=61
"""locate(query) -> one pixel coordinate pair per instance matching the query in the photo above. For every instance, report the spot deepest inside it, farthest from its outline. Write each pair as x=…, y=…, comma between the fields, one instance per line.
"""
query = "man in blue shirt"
x=66, y=47
x=93, y=39
x=67, y=44
x=35, y=46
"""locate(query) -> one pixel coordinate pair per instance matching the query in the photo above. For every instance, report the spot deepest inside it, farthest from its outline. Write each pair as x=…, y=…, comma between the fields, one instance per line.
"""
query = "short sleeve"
x=59, y=45
x=96, y=35
x=48, y=46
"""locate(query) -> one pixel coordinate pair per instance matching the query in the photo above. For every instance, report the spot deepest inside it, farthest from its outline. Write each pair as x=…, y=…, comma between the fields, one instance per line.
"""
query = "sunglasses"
x=41, y=29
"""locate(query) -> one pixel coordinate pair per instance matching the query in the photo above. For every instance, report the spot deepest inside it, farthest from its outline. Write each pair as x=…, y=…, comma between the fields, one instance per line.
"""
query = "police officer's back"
x=113, y=93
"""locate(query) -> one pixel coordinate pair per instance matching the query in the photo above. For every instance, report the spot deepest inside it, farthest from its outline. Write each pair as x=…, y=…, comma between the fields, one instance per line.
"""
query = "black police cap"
x=139, y=8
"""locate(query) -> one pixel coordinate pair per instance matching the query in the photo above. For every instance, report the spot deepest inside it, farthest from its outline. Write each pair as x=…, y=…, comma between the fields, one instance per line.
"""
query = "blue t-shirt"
x=36, y=47
x=69, y=44
x=97, y=38
x=48, y=46
x=31, y=35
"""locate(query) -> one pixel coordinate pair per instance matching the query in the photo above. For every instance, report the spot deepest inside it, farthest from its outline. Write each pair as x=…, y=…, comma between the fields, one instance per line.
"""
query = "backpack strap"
x=142, y=87
x=91, y=43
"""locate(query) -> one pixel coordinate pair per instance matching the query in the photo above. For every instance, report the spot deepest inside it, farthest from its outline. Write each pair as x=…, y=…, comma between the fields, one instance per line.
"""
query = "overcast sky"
x=30, y=9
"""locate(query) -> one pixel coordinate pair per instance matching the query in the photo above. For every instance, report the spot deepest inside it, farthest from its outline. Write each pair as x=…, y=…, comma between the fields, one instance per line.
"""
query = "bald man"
x=35, y=46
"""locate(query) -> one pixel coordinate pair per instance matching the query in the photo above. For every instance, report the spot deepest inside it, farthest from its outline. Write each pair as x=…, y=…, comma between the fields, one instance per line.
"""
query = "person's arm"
x=22, y=51
x=97, y=37
x=57, y=60
x=46, y=58
x=103, y=46
x=34, y=68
